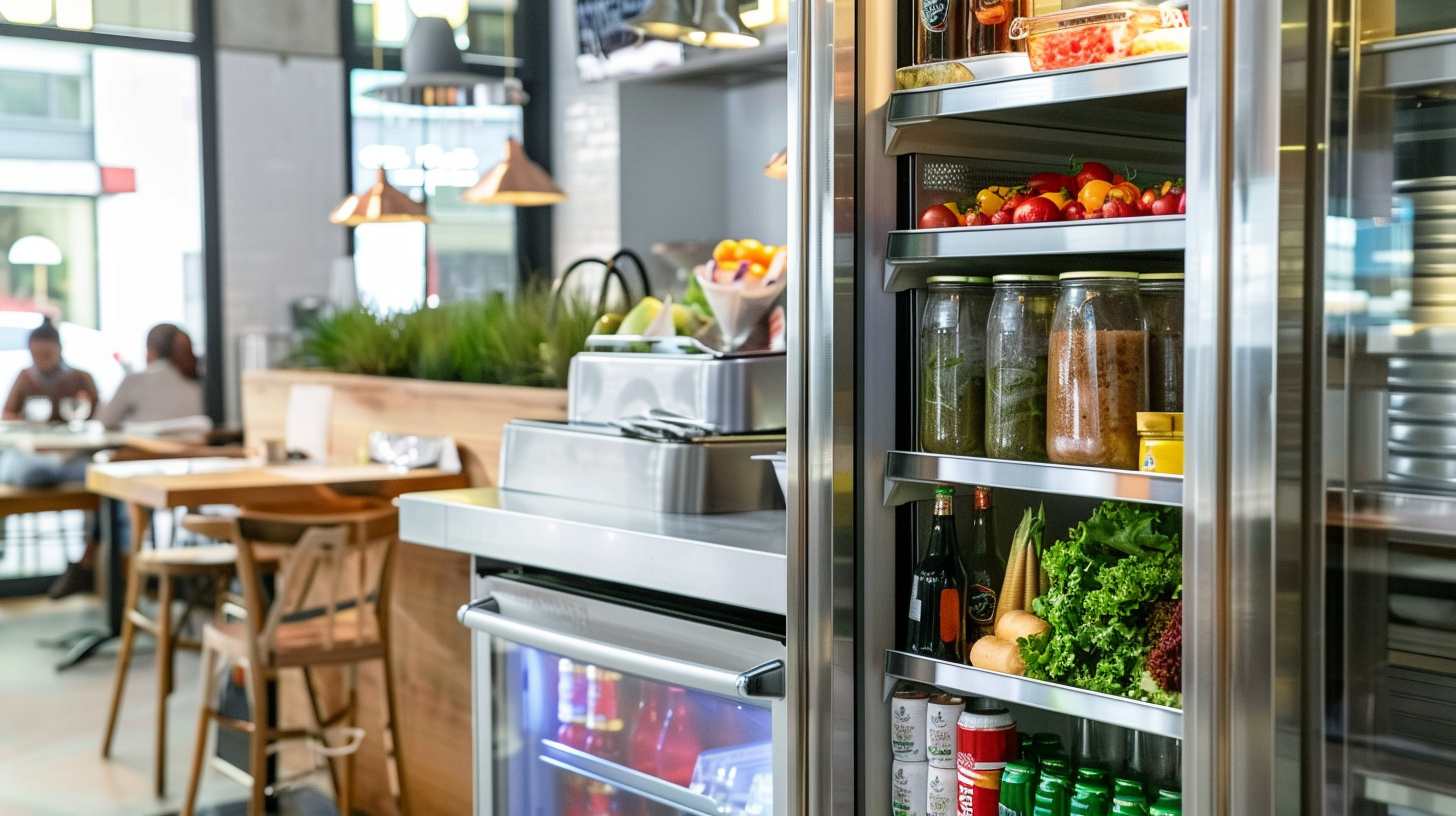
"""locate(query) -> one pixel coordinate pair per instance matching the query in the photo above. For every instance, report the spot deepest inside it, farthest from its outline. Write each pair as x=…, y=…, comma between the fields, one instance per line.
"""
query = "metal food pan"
x=728, y=395
x=712, y=474
x=1423, y=406
x=1406, y=437
x=1423, y=372
x=1431, y=470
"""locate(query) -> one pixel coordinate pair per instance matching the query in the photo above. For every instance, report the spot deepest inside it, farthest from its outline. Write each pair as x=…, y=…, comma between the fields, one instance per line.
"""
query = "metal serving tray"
x=727, y=395
x=711, y=474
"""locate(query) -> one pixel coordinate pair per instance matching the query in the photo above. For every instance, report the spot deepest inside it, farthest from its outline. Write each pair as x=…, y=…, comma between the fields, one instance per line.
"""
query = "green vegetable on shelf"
x=1107, y=579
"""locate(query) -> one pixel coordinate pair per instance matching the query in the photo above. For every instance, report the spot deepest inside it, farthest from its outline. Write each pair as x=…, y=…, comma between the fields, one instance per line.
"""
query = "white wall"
x=282, y=166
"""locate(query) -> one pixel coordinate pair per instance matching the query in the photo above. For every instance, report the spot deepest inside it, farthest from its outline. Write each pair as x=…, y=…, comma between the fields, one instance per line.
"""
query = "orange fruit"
x=726, y=251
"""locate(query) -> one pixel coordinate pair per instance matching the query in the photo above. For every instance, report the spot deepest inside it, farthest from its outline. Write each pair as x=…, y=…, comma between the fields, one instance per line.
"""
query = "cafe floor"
x=51, y=725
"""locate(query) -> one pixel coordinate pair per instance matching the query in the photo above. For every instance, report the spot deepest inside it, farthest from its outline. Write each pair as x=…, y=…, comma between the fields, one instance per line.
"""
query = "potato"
x=1018, y=624
x=997, y=654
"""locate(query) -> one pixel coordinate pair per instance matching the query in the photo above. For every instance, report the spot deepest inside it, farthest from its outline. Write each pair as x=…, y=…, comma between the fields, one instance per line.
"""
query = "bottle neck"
x=943, y=506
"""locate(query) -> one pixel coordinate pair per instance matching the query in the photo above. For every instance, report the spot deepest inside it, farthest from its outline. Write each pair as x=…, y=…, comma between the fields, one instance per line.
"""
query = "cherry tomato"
x=1073, y=211
x=1035, y=211
x=725, y=251
x=1046, y=182
x=937, y=216
x=1002, y=216
x=1071, y=185
x=1114, y=208
x=1167, y=205
x=1094, y=192
x=1094, y=171
x=1149, y=198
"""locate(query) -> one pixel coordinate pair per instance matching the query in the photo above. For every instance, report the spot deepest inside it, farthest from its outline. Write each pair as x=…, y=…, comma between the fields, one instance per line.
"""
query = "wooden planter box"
x=432, y=651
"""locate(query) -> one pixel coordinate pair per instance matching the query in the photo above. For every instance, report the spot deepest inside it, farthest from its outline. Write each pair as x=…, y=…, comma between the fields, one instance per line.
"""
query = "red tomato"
x=1073, y=211
x=1016, y=199
x=1035, y=211
x=937, y=216
x=1093, y=171
x=1167, y=205
x=1147, y=201
x=1002, y=216
x=1046, y=182
x=1114, y=208
x=1069, y=183
x=1118, y=178
x=1182, y=203
x=977, y=219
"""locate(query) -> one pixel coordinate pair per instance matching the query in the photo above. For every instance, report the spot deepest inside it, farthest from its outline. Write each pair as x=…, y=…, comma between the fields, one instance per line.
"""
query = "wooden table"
x=168, y=483
x=36, y=437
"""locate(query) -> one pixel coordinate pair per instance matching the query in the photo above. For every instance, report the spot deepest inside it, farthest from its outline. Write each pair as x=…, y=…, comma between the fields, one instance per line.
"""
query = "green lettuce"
x=1105, y=578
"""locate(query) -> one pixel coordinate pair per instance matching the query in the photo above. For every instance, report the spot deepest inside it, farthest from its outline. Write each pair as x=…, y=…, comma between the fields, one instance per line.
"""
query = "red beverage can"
x=985, y=742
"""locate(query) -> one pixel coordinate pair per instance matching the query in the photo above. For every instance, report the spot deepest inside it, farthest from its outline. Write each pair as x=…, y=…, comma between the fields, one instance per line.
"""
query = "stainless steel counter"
x=732, y=558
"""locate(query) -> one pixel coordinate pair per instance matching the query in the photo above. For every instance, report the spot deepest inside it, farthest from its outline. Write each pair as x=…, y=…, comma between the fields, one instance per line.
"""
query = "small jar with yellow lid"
x=1160, y=442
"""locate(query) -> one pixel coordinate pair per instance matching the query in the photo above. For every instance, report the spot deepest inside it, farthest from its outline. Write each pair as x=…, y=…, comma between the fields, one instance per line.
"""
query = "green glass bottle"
x=938, y=594
x=1129, y=806
x=1170, y=803
x=1018, y=789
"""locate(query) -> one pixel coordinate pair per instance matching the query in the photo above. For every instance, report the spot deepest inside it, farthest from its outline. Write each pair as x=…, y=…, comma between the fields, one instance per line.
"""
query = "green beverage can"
x=1170, y=803
x=1087, y=774
x=1018, y=790
x=1123, y=786
x=1129, y=806
x=1056, y=766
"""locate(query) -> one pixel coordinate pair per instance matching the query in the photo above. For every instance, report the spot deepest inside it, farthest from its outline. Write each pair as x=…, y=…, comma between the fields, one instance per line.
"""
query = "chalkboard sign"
x=608, y=47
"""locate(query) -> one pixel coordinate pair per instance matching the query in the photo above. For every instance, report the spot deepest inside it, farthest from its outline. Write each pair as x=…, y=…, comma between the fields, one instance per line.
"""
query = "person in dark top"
x=48, y=376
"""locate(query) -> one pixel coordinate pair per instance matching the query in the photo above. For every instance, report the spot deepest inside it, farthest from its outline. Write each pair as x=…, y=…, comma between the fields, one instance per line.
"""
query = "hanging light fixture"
x=435, y=73
x=718, y=26
x=26, y=12
x=778, y=166
x=380, y=204
x=455, y=12
x=666, y=19
x=516, y=181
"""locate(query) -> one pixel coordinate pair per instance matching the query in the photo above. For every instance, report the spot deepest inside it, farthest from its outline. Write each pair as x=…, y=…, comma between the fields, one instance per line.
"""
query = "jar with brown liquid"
x=1097, y=371
x=939, y=29
x=988, y=27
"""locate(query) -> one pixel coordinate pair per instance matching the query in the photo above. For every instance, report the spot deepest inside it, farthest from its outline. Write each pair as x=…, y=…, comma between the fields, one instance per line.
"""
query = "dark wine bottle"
x=937, y=595
x=985, y=569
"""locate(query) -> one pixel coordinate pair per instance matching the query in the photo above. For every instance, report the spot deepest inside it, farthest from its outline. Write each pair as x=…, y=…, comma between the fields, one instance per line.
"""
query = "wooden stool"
x=218, y=563
x=307, y=627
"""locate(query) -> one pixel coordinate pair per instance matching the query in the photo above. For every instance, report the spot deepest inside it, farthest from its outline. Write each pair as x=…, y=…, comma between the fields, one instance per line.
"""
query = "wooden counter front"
x=432, y=650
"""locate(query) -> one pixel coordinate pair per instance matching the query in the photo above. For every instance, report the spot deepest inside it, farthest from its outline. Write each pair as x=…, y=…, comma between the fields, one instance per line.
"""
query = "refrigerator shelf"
x=1090, y=705
x=1138, y=105
x=645, y=785
x=911, y=476
x=1147, y=244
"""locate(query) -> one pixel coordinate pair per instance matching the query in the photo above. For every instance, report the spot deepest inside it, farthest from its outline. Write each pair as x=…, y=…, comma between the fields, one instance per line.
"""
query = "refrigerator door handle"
x=762, y=682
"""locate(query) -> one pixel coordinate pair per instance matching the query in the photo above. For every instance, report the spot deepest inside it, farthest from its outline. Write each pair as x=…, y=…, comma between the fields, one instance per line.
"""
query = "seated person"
x=166, y=389
x=51, y=378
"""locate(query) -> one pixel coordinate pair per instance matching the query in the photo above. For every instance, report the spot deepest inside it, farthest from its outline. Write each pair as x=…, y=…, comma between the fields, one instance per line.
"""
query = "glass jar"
x=953, y=366
x=1162, y=296
x=1097, y=378
x=1017, y=334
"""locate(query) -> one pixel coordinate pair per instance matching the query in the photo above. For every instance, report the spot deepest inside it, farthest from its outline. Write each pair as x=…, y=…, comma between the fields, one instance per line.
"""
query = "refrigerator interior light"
x=26, y=12
x=77, y=15
x=454, y=11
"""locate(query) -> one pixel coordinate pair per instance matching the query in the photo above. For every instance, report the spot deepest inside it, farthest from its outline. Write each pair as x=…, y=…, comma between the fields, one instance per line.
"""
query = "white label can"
x=907, y=725
x=940, y=787
x=941, y=714
x=908, y=782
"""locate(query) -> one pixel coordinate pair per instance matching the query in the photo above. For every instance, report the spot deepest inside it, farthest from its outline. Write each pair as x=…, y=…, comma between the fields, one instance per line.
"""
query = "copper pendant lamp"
x=380, y=204
x=516, y=181
x=719, y=26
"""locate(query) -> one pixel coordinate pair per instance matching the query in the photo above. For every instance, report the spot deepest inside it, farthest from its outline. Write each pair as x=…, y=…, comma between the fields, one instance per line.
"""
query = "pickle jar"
x=1162, y=296
x=1017, y=335
x=1097, y=379
x=953, y=366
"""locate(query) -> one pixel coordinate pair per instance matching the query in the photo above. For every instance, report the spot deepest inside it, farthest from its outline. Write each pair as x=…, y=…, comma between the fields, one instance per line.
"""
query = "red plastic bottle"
x=646, y=730
x=571, y=704
x=679, y=745
x=605, y=730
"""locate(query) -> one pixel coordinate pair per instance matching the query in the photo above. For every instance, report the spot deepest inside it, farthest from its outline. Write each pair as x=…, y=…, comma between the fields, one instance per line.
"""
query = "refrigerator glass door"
x=589, y=708
x=1390, y=415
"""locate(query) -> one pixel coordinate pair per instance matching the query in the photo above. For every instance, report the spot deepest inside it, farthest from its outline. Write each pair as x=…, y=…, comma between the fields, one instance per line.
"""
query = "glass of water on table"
x=75, y=411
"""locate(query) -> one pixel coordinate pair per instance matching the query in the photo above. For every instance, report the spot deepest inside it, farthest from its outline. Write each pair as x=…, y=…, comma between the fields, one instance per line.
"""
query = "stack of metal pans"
x=1423, y=420
x=1433, y=287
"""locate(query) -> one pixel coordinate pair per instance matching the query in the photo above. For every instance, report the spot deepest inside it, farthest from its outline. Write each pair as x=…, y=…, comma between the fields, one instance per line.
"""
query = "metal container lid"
x=957, y=279
x=986, y=718
x=1111, y=275
x=1024, y=279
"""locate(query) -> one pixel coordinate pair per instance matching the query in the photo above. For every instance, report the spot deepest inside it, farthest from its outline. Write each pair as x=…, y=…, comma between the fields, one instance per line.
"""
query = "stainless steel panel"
x=1425, y=372
x=708, y=475
x=912, y=477
x=1409, y=62
x=1433, y=470
x=1153, y=719
x=1430, y=407
x=647, y=786
x=1429, y=291
x=1429, y=439
x=1147, y=244
x=1434, y=233
x=731, y=558
x=728, y=395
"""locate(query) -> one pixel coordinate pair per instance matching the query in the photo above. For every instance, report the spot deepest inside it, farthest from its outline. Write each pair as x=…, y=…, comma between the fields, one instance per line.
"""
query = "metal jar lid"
x=986, y=718
x=1160, y=276
x=1095, y=275
x=1024, y=279
x=968, y=279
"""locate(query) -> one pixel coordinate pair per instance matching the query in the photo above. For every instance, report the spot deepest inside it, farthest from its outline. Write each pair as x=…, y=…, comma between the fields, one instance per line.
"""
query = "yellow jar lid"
x=1024, y=279
x=1159, y=422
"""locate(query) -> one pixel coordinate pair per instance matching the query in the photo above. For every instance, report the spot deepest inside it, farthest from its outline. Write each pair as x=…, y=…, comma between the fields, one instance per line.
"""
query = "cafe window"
x=158, y=19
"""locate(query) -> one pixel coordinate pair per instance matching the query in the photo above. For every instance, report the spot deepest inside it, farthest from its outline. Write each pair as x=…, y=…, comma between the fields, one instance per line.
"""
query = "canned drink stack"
x=985, y=742
x=907, y=724
x=941, y=792
x=909, y=784
x=941, y=717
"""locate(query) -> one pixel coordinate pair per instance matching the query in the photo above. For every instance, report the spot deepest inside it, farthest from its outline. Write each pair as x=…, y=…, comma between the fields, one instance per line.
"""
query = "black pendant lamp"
x=435, y=73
